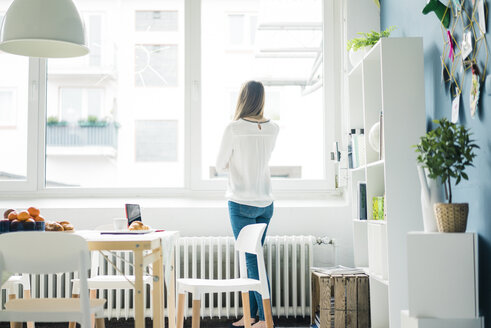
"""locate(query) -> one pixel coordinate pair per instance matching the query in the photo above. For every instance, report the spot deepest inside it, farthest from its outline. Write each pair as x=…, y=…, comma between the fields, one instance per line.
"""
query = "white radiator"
x=288, y=259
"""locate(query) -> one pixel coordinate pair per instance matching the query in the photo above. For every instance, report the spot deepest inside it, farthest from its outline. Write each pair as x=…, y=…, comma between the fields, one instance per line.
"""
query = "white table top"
x=96, y=236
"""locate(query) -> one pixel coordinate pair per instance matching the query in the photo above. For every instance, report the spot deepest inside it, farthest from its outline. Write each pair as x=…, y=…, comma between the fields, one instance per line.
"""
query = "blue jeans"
x=240, y=216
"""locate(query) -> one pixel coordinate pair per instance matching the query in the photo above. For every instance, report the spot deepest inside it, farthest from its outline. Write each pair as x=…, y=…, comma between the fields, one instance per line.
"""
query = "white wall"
x=209, y=218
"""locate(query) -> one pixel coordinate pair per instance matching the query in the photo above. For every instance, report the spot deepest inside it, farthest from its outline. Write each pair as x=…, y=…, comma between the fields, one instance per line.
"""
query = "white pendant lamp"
x=43, y=28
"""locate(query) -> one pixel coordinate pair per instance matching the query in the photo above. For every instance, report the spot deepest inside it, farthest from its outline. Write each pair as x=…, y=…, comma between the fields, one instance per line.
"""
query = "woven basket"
x=451, y=217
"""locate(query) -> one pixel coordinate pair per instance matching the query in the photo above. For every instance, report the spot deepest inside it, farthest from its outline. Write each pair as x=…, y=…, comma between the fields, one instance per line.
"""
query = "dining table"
x=156, y=248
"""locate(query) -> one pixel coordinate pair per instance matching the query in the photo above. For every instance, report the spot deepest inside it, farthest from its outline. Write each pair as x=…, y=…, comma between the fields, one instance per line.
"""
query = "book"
x=356, y=151
x=338, y=269
x=362, y=200
x=378, y=208
x=381, y=134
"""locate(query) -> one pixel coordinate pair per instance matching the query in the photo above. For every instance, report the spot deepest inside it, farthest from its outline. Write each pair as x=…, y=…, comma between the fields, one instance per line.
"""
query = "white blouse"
x=245, y=152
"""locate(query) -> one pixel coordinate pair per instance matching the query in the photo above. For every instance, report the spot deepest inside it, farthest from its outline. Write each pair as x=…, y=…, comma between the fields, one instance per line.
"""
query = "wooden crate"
x=342, y=300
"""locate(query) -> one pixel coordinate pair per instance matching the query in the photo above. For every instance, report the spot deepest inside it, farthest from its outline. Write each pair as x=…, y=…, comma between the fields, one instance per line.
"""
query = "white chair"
x=44, y=253
x=249, y=241
x=97, y=280
x=12, y=285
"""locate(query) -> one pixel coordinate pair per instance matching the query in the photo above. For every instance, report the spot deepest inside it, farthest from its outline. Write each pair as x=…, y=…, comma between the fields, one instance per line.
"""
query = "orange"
x=7, y=212
x=33, y=211
x=39, y=218
x=12, y=216
x=23, y=215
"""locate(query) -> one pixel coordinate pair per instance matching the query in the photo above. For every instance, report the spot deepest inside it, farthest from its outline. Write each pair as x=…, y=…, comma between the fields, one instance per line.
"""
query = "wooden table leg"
x=92, y=295
x=158, y=292
x=180, y=311
x=27, y=295
x=14, y=324
x=171, y=294
x=139, y=302
x=73, y=324
x=196, y=314
x=99, y=323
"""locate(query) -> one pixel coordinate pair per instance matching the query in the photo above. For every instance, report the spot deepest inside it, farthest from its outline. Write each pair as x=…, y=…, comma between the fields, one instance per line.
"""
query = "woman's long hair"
x=251, y=101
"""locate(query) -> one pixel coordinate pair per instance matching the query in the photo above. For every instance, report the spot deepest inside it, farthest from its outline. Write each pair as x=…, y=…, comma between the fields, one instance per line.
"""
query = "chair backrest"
x=48, y=252
x=42, y=252
x=249, y=239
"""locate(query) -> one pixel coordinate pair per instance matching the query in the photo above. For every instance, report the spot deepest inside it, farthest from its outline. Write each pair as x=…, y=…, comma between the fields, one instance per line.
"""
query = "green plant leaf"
x=446, y=151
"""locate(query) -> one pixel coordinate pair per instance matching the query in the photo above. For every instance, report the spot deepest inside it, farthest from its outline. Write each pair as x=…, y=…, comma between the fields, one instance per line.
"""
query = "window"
x=144, y=112
x=94, y=27
x=8, y=107
x=101, y=52
x=14, y=124
x=287, y=37
x=156, y=141
x=241, y=31
x=155, y=65
x=156, y=20
x=120, y=125
x=81, y=103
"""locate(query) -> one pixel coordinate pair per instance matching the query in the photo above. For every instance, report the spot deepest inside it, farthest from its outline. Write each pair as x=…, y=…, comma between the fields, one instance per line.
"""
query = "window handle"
x=195, y=92
x=34, y=90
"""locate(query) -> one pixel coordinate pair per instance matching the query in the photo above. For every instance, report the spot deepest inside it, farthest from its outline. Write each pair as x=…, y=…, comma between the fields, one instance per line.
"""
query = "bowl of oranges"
x=22, y=220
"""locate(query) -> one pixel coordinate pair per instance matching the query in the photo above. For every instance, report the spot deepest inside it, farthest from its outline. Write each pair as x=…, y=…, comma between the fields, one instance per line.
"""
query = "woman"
x=245, y=152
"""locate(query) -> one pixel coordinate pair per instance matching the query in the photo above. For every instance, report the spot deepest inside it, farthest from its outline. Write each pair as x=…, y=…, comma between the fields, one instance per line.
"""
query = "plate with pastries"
x=61, y=226
x=136, y=227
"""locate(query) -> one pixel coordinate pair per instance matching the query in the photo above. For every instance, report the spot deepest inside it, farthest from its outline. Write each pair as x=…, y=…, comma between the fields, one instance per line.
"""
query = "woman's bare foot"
x=241, y=322
x=260, y=324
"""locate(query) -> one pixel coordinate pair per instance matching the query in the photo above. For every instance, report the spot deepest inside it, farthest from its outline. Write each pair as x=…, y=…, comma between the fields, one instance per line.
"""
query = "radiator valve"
x=325, y=241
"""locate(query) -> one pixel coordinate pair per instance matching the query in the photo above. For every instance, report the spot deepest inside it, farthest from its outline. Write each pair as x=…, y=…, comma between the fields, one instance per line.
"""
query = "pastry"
x=138, y=225
x=54, y=226
x=67, y=226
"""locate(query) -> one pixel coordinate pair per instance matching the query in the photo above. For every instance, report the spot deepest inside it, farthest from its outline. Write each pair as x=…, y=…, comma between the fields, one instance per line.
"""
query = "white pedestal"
x=442, y=276
x=412, y=322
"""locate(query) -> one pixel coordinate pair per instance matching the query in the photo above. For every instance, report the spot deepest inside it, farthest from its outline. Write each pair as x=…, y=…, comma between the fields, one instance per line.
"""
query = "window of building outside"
x=13, y=117
x=121, y=120
x=280, y=44
x=79, y=104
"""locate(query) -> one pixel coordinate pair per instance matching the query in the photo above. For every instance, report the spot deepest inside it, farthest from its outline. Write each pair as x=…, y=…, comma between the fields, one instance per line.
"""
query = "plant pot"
x=451, y=217
x=355, y=57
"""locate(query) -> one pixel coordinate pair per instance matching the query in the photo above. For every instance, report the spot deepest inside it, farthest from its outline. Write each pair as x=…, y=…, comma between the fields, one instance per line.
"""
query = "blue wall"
x=406, y=15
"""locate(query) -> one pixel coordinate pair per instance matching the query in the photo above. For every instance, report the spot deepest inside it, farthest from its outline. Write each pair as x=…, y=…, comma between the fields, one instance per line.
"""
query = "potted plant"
x=445, y=152
x=54, y=121
x=358, y=47
x=92, y=121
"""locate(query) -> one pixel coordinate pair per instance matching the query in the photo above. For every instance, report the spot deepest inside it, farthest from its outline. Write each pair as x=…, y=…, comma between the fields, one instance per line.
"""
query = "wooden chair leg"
x=196, y=313
x=99, y=323
x=14, y=324
x=92, y=295
x=73, y=324
x=180, y=310
x=27, y=295
x=246, y=307
x=268, y=316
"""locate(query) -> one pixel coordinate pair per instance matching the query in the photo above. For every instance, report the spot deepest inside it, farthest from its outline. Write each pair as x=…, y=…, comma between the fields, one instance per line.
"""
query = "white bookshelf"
x=390, y=79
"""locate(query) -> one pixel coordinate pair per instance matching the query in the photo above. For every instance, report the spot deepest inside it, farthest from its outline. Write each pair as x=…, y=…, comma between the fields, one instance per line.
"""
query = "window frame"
x=194, y=184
